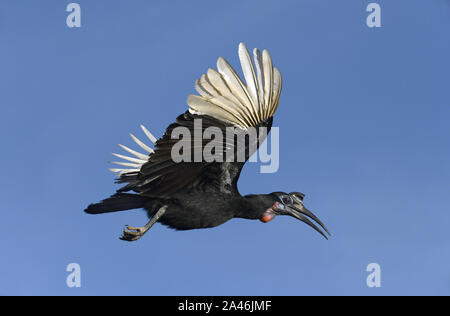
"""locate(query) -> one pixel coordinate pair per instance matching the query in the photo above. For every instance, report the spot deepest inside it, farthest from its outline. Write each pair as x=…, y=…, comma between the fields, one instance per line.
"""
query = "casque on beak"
x=298, y=210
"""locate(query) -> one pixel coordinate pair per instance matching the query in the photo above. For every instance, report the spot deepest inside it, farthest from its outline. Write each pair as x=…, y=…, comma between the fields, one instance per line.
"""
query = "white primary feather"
x=133, y=152
x=202, y=90
x=141, y=144
x=126, y=164
x=148, y=134
x=224, y=95
x=135, y=160
x=135, y=164
x=236, y=86
x=268, y=80
x=259, y=75
x=202, y=105
x=218, y=83
x=123, y=171
x=276, y=91
x=249, y=73
x=207, y=86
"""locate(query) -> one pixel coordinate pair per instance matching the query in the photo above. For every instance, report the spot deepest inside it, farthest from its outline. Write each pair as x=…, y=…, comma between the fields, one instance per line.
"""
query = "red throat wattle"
x=267, y=217
x=269, y=214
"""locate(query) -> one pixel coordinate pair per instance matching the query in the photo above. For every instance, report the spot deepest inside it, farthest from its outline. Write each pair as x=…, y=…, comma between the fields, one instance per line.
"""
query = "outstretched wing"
x=225, y=104
x=225, y=97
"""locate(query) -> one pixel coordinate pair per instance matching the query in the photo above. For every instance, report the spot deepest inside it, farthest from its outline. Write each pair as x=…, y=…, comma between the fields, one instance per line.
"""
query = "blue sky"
x=364, y=134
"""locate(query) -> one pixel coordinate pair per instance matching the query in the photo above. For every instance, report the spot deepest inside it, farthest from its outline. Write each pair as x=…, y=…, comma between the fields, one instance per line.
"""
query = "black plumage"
x=204, y=194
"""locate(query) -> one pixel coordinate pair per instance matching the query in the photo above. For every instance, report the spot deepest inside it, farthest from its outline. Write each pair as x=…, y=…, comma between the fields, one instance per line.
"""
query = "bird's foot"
x=134, y=233
x=131, y=233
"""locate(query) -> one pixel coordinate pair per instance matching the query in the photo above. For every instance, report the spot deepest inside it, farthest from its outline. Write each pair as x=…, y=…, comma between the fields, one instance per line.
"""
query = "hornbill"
x=199, y=193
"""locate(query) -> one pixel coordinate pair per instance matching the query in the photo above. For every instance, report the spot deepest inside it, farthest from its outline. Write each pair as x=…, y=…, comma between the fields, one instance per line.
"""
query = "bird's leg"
x=134, y=233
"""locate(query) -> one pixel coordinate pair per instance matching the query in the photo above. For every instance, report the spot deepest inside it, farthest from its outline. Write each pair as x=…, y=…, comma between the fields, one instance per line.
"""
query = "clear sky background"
x=364, y=127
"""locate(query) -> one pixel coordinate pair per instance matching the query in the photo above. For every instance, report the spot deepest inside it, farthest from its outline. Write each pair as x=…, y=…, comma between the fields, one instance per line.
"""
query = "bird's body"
x=222, y=129
x=194, y=210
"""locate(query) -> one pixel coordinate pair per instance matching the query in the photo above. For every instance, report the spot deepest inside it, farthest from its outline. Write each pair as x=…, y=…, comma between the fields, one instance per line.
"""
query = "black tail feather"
x=117, y=202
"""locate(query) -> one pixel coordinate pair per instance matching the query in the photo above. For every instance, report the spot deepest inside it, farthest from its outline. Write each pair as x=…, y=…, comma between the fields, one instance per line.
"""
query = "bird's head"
x=289, y=204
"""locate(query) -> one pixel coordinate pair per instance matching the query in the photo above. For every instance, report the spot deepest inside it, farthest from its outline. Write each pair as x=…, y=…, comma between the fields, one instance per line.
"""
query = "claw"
x=129, y=238
x=132, y=233
x=137, y=229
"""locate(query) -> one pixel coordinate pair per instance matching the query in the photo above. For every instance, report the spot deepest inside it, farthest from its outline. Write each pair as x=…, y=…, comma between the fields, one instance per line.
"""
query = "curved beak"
x=300, y=212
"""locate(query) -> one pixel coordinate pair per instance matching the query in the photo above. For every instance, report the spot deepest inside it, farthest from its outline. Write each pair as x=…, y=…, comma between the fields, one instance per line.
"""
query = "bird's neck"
x=253, y=206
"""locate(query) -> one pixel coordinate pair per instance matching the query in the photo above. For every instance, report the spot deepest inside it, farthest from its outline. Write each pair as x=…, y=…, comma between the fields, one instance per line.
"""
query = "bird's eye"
x=286, y=199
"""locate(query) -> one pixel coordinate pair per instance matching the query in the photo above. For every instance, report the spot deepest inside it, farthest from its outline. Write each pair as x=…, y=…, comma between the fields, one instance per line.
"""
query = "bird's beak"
x=300, y=212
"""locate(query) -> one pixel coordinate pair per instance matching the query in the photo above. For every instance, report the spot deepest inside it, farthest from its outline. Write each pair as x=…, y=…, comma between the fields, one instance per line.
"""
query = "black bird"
x=201, y=191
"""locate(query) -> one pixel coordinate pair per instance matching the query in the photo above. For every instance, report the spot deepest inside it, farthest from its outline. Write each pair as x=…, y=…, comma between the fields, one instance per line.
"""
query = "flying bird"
x=202, y=193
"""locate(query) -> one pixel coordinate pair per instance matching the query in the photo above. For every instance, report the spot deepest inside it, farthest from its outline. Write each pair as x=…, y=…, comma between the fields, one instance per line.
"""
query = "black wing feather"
x=161, y=177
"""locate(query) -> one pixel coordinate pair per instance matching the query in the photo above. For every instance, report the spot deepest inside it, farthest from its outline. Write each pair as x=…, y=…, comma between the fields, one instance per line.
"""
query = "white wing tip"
x=138, y=160
x=148, y=134
x=254, y=101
